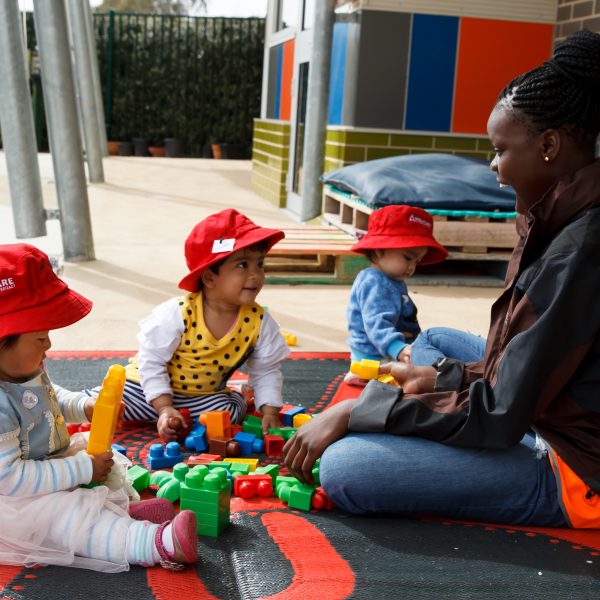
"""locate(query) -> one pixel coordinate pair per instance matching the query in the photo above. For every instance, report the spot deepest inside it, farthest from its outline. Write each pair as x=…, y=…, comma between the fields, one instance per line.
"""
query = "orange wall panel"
x=490, y=54
x=287, y=71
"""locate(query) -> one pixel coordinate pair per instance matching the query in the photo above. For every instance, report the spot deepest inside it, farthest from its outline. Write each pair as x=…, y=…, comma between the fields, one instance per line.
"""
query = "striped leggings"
x=138, y=409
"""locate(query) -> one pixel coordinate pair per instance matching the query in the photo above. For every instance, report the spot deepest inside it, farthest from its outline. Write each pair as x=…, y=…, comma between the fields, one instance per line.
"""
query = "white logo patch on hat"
x=29, y=399
x=223, y=245
x=7, y=284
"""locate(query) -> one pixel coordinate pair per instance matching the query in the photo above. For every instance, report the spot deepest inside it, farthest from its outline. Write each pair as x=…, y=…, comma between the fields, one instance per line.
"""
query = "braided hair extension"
x=563, y=92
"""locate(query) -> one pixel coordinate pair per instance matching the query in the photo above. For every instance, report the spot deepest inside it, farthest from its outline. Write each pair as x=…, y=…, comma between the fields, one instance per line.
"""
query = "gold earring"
x=547, y=158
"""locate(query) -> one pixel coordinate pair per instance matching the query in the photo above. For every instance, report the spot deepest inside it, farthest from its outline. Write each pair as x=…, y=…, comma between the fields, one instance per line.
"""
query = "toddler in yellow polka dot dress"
x=191, y=345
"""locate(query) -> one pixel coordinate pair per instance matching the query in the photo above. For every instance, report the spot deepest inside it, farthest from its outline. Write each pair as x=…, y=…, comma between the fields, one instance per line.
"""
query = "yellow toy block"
x=289, y=337
x=253, y=462
x=387, y=379
x=300, y=419
x=365, y=369
x=106, y=411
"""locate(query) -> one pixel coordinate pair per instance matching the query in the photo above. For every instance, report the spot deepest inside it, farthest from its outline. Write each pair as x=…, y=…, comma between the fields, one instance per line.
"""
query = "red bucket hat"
x=402, y=226
x=218, y=236
x=32, y=297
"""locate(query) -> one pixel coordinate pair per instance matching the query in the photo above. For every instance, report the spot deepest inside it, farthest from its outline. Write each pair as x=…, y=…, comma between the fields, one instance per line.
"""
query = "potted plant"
x=157, y=148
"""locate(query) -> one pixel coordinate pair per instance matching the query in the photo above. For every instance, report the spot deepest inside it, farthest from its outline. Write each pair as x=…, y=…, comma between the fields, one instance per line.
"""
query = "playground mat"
x=270, y=551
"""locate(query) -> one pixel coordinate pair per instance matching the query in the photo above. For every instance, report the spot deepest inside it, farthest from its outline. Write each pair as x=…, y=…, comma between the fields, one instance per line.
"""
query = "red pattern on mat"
x=7, y=574
x=316, y=563
x=167, y=585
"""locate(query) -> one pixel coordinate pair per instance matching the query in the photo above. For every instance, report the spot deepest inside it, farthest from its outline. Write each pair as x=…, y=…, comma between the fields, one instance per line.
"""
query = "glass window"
x=288, y=14
x=300, y=121
x=308, y=19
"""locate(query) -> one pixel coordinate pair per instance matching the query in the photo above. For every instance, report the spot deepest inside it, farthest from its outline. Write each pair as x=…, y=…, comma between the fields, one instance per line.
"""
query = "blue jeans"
x=439, y=342
x=381, y=473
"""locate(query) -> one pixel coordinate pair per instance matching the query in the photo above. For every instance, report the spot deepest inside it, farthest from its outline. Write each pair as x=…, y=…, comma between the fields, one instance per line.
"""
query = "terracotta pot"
x=156, y=150
x=216, y=150
x=113, y=148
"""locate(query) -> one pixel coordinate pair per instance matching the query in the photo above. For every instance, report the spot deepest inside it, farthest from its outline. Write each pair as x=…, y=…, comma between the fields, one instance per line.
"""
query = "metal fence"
x=193, y=78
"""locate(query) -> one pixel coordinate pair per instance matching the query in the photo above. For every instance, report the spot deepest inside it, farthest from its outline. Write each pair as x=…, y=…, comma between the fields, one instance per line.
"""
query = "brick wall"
x=573, y=15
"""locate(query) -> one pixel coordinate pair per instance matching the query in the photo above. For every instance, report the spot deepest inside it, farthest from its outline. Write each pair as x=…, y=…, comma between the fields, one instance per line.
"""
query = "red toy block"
x=235, y=428
x=72, y=428
x=273, y=444
x=85, y=427
x=203, y=459
x=248, y=486
x=217, y=423
x=320, y=500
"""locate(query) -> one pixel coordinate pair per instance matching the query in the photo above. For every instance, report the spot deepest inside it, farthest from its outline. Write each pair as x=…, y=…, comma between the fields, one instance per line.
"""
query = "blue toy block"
x=249, y=443
x=161, y=456
x=196, y=439
x=287, y=417
x=120, y=449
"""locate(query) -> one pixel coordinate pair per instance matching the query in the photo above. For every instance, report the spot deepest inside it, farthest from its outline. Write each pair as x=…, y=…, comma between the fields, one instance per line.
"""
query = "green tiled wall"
x=345, y=147
x=270, y=152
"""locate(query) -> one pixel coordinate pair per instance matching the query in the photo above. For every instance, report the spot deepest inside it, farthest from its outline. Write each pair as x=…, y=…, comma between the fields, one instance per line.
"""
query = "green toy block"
x=239, y=469
x=271, y=470
x=180, y=470
x=158, y=477
x=253, y=425
x=218, y=463
x=285, y=432
x=138, y=477
x=300, y=497
x=169, y=489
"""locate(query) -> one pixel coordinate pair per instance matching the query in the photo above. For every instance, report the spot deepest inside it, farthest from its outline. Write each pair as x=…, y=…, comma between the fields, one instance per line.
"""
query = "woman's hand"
x=310, y=441
x=101, y=465
x=412, y=379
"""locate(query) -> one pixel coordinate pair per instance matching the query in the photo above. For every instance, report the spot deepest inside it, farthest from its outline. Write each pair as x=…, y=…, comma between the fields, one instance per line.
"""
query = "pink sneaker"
x=185, y=542
x=155, y=510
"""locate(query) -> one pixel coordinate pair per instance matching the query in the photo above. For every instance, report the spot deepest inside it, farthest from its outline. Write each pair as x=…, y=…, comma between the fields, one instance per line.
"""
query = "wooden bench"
x=313, y=255
x=465, y=238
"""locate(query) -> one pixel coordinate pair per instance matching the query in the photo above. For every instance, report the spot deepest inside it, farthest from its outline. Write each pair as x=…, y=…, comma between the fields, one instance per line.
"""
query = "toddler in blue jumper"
x=382, y=319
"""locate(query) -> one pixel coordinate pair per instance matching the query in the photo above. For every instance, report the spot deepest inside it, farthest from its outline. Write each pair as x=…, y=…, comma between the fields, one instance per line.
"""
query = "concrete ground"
x=141, y=217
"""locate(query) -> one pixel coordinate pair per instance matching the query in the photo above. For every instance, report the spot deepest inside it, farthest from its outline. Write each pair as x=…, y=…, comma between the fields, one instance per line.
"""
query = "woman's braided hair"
x=563, y=92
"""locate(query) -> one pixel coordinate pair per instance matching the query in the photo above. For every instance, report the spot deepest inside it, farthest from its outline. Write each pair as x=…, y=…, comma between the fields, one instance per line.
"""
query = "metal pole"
x=78, y=17
x=93, y=53
x=18, y=133
x=63, y=130
x=315, y=127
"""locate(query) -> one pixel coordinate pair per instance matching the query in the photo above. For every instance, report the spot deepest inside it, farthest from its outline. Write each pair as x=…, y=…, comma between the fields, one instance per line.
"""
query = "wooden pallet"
x=465, y=238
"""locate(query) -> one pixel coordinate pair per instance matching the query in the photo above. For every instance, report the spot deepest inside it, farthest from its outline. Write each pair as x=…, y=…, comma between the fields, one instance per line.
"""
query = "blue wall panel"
x=431, y=73
x=277, y=108
x=338, y=71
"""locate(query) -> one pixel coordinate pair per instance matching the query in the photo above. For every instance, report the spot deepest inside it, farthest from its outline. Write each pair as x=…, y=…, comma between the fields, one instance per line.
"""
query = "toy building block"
x=138, y=477
x=72, y=428
x=273, y=444
x=224, y=447
x=157, y=478
x=161, y=456
x=271, y=470
x=365, y=369
x=248, y=486
x=207, y=494
x=85, y=427
x=120, y=449
x=287, y=414
x=300, y=419
x=289, y=337
x=217, y=423
x=249, y=443
x=106, y=411
x=285, y=432
x=196, y=438
x=202, y=459
x=235, y=428
x=253, y=425
x=321, y=501
x=251, y=462
x=170, y=487
x=219, y=464
x=239, y=468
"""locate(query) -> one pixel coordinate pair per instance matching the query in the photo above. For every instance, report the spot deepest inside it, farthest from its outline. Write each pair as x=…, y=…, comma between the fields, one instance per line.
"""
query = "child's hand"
x=270, y=418
x=101, y=465
x=404, y=354
x=170, y=424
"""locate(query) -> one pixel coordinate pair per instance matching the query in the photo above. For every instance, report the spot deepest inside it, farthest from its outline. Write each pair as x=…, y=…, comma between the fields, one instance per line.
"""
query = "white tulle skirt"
x=49, y=529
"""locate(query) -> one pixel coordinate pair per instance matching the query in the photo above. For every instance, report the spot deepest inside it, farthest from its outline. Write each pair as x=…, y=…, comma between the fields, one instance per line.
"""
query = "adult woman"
x=514, y=438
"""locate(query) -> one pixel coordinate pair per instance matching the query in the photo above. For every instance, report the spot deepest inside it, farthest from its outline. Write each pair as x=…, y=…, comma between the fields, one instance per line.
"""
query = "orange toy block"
x=106, y=411
x=217, y=423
